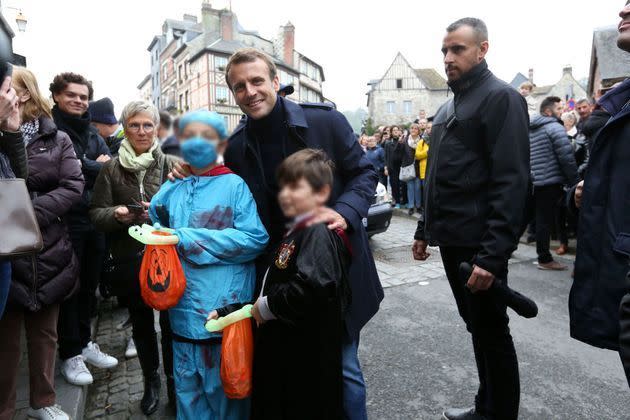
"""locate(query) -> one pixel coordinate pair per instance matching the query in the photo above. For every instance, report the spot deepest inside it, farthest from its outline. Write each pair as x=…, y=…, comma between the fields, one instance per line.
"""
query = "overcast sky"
x=353, y=41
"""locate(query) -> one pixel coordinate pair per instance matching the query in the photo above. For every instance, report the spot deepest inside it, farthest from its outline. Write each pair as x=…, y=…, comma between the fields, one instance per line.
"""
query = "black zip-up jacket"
x=478, y=170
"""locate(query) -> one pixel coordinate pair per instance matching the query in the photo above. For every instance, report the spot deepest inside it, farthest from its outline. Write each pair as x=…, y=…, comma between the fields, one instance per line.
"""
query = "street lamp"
x=20, y=19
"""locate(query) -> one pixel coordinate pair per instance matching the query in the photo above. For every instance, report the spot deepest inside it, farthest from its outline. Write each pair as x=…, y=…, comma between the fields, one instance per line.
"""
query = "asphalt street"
x=417, y=356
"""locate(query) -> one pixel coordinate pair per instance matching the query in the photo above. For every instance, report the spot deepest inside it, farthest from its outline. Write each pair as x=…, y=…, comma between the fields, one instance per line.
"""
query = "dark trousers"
x=41, y=345
x=145, y=337
x=5, y=284
x=546, y=198
x=75, y=313
x=382, y=178
x=561, y=220
x=394, y=182
x=487, y=321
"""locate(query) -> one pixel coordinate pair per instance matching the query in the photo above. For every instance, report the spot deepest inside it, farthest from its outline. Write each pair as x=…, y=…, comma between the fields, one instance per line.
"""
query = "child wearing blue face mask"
x=220, y=235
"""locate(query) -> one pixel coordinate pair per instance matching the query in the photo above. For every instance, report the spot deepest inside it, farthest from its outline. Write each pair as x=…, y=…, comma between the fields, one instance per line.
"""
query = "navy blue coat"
x=603, y=250
x=319, y=126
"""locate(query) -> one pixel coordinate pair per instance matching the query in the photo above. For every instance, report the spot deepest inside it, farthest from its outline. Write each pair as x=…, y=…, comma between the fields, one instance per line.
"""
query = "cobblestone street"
x=116, y=394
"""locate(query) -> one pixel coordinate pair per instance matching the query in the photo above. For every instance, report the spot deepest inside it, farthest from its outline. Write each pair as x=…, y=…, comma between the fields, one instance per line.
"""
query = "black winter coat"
x=88, y=146
x=55, y=181
x=298, y=373
x=478, y=170
x=603, y=250
x=12, y=146
x=320, y=127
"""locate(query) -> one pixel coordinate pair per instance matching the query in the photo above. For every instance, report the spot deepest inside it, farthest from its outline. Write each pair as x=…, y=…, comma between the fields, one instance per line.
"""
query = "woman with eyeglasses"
x=121, y=198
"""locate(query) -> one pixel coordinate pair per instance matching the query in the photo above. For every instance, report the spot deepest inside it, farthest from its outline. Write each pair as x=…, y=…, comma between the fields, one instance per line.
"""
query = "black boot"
x=151, y=397
x=462, y=414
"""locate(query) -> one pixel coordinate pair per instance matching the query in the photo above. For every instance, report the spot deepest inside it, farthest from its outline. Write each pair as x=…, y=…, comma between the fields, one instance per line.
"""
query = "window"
x=186, y=70
x=220, y=63
x=186, y=101
x=179, y=73
x=222, y=94
x=286, y=78
x=390, y=106
x=398, y=83
x=407, y=107
x=164, y=71
x=181, y=105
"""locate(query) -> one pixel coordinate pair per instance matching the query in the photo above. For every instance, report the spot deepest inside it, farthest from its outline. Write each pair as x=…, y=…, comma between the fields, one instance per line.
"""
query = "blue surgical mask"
x=199, y=152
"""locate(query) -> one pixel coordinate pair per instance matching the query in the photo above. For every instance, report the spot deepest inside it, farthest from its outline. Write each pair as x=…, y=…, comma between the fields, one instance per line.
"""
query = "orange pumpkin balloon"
x=162, y=280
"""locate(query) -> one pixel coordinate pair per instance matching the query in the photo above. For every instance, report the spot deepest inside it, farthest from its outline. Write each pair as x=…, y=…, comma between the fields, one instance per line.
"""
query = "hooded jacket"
x=56, y=183
x=552, y=157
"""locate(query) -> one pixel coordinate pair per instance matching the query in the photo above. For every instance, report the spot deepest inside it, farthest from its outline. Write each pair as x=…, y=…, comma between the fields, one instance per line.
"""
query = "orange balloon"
x=162, y=280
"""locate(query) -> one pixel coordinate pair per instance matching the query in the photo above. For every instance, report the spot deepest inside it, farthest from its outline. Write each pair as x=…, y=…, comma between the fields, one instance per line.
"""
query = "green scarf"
x=136, y=163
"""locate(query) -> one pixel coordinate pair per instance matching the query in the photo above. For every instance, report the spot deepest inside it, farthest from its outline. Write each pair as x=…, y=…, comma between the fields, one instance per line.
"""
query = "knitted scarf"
x=137, y=164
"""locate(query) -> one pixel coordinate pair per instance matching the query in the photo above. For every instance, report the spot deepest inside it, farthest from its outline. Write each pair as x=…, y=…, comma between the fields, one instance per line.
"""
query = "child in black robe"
x=297, y=361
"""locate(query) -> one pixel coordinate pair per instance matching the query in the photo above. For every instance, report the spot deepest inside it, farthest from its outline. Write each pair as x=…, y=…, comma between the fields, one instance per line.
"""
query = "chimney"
x=531, y=76
x=567, y=70
x=210, y=18
x=227, y=25
x=190, y=18
x=288, y=43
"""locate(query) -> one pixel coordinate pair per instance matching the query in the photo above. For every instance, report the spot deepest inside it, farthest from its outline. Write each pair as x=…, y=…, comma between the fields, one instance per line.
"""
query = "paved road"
x=417, y=357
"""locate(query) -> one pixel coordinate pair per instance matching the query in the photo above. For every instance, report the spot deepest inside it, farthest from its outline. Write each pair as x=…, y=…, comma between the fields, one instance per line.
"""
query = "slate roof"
x=518, y=80
x=613, y=62
x=431, y=79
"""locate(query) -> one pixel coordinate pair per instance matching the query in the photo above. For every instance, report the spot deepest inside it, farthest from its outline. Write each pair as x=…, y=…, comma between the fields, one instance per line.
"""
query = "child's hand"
x=212, y=315
x=256, y=314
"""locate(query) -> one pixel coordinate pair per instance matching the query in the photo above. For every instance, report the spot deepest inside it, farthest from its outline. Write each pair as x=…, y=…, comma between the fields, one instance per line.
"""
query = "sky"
x=354, y=41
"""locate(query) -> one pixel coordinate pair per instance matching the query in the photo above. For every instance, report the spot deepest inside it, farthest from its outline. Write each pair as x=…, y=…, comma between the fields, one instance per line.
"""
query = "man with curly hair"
x=71, y=93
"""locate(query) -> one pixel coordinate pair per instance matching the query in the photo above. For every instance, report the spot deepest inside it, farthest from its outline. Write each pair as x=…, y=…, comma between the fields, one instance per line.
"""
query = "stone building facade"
x=398, y=96
x=566, y=88
x=188, y=63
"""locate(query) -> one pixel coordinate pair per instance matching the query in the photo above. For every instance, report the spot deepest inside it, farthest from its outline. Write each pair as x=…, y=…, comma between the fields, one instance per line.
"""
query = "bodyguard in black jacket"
x=477, y=181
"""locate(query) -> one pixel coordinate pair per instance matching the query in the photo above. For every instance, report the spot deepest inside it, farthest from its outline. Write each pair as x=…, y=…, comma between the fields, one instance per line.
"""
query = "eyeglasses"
x=135, y=127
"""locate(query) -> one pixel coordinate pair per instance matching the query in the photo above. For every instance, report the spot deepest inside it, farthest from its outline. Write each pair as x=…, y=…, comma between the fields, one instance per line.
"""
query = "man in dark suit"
x=275, y=128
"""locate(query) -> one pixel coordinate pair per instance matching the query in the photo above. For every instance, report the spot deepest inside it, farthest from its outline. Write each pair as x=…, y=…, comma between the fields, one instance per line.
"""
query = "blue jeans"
x=5, y=284
x=354, y=395
x=414, y=193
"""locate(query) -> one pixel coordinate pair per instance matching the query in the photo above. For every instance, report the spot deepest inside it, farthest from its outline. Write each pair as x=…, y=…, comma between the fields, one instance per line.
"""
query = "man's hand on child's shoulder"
x=333, y=219
x=180, y=170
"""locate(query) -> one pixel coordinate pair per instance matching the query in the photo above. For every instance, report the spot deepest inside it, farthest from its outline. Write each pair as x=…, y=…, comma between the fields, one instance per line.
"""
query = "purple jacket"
x=56, y=183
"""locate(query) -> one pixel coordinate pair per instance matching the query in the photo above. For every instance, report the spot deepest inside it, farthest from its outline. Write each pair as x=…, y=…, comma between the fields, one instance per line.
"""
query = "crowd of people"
x=274, y=217
x=400, y=158
x=91, y=175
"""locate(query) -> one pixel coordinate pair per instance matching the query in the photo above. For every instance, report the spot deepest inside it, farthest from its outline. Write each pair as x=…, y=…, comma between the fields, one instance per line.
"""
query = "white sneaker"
x=131, y=349
x=48, y=413
x=75, y=371
x=94, y=356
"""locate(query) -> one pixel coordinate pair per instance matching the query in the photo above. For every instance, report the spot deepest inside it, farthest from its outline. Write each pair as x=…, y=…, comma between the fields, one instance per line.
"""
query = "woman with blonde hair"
x=40, y=282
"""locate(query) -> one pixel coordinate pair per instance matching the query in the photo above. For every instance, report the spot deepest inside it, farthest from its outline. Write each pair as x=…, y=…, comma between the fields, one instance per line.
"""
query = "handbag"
x=18, y=225
x=407, y=173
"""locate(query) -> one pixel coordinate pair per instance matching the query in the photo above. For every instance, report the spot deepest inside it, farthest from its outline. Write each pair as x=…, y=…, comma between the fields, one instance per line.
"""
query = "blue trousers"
x=198, y=384
x=5, y=284
x=354, y=394
x=414, y=193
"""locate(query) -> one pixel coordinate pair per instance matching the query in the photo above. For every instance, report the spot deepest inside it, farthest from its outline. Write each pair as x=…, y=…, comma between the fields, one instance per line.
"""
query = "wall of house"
x=406, y=104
